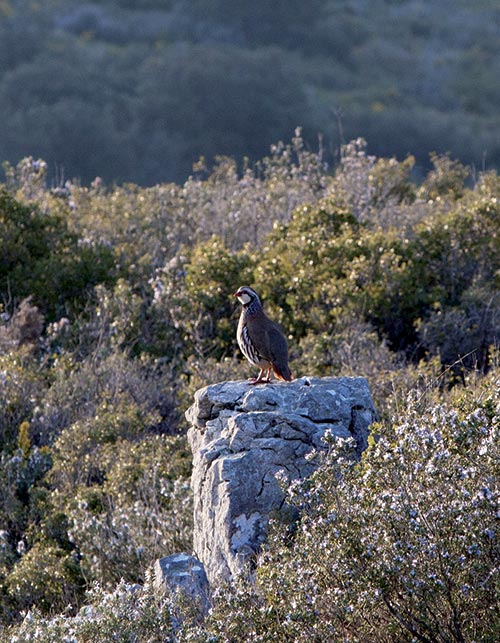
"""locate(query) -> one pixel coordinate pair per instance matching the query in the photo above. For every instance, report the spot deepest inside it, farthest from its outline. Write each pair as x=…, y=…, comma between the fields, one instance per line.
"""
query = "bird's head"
x=246, y=296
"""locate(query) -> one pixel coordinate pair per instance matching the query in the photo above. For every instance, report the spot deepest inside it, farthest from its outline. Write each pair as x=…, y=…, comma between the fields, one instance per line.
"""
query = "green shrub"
x=42, y=259
x=196, y=295
x=20, y=473
x=324, y=266
x=447, y=178
x=299, y=270
x=109, y=380
x=22, y=386
x=47, y=577
x=124, y=491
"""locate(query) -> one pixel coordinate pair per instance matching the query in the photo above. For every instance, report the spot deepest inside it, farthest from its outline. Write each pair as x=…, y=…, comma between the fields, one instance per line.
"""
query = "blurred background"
x=138, y=90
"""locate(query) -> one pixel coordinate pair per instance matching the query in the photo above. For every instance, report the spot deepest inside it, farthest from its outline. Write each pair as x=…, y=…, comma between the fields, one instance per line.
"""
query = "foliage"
x=46, y=576
x=118, y=306
x=141, y=511
x=42, y=259
x=199, y=303
x=105, y=494
x=128, y=613
x=402, y=546
x=235, y=79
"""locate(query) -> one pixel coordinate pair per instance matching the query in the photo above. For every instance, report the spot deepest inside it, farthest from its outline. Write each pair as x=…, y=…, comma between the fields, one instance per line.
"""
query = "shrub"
x=47, y=577
x=108, y=381
x=22, y=386
x=447, y=178
x=463, y=335
x=195, y=294
x=24, y=328
x=128, y=613
x=105, y=502
x=324, y=267
x=42, y=259
x=402, y=546
x=20, y=472
x=299, y=269
x=137, y=508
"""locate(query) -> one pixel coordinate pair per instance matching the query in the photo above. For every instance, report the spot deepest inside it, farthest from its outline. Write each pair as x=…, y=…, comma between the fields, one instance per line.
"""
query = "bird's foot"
x=264, y=377
x=257, y=380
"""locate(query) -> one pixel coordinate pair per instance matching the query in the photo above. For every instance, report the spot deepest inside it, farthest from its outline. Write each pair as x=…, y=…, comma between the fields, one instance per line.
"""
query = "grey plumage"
x=261, y=340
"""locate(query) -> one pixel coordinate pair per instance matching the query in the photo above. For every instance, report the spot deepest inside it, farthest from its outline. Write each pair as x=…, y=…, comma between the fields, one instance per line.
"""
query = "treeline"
x=139, y=91
x=117, y=306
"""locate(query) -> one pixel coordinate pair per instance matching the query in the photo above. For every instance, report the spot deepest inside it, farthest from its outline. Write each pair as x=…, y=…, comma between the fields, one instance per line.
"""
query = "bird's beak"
x=235, y=294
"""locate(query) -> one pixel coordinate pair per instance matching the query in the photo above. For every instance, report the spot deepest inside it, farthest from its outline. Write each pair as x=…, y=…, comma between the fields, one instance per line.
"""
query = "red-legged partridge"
x=260, y=339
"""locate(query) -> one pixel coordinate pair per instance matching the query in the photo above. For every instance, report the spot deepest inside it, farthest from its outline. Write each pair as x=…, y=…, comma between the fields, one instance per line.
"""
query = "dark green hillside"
x=138, y=91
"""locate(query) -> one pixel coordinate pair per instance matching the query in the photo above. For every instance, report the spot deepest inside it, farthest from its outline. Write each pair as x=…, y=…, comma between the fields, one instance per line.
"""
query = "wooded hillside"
x=138, y=91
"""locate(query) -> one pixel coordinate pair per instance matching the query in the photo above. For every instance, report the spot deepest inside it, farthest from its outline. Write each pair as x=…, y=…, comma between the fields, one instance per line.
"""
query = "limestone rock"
x=241, y=437
x=182, y=573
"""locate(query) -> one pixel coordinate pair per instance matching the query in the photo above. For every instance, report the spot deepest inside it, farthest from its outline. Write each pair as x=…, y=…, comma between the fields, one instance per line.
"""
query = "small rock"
x=183, y=574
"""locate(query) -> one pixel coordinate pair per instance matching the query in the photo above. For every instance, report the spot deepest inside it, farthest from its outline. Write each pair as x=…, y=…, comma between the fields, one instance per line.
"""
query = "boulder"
x=185, y=575
x=244, y=438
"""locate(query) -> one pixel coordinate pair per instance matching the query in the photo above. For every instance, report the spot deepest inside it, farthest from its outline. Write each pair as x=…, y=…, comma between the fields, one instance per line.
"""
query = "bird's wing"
x=270, y=343
x=277, y=344
x=279, y=354
x=267, y=338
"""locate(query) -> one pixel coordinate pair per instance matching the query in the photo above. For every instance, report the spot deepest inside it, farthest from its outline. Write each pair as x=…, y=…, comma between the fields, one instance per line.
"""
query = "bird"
x=260, y=339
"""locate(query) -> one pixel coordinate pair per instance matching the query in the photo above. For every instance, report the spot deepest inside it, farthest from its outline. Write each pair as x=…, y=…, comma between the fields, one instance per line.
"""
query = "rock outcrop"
x=241, y=437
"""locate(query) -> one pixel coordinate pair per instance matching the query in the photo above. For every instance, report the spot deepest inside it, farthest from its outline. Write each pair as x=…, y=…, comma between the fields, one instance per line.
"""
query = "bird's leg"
x=259, y=378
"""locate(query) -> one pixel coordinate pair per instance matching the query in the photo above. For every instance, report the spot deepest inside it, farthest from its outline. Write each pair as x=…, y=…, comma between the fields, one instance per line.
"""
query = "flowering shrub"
x=21, y=385
x=126, y=614
x=141, y=511
x=402, y=546
x=93, y=488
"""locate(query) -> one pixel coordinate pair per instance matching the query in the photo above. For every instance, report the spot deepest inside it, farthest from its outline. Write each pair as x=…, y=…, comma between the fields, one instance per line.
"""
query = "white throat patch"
x=244, y=298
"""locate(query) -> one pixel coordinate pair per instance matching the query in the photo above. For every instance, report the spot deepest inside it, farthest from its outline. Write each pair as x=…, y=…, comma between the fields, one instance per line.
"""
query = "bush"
x=102, y=504
x=22, y=386
x=128, y=613
x=123, y=488
x=138, y=509
x=42, y=259
x=24, y=328
x=110, y=381
x=47, y=577
x=20, y=473
x=196, y=295
x=401, y=546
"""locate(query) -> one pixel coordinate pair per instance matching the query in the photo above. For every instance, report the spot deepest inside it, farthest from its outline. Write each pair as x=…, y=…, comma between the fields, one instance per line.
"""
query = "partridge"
x=260, y=339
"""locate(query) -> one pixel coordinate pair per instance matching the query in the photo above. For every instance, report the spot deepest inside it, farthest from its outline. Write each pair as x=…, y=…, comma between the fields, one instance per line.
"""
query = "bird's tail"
x=282, y=373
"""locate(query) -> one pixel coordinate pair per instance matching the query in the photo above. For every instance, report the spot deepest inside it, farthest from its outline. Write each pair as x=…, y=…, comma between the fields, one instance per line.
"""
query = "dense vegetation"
x=137, y=91
x=117, y=305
